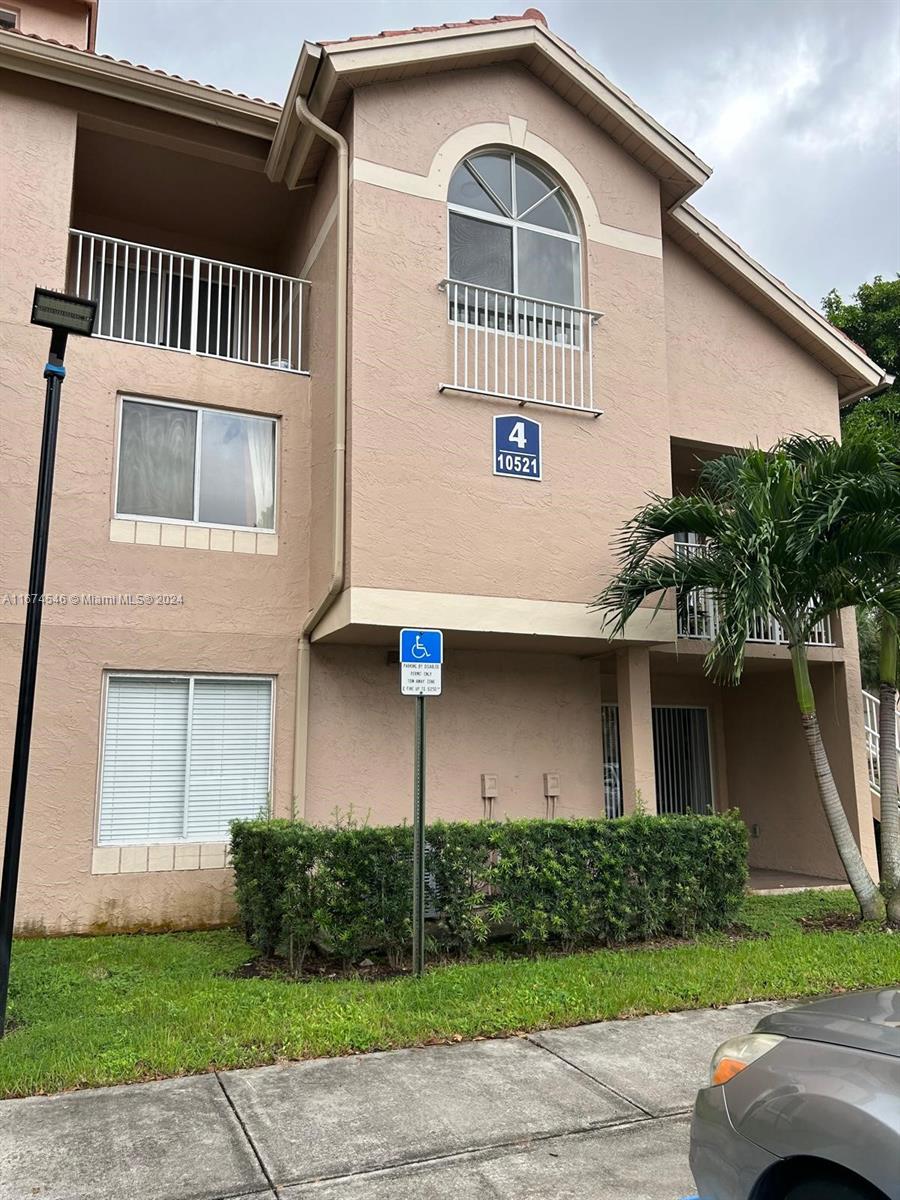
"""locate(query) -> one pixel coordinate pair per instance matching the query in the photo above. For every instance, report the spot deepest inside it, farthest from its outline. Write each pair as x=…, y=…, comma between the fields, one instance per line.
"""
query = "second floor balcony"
x=151, y=296
x=698, y=615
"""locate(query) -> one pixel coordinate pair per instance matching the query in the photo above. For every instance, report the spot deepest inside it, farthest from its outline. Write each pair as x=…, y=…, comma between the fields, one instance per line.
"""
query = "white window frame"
x=516, y=223
x=16, y=15
x=191, y=679
x=199, y=409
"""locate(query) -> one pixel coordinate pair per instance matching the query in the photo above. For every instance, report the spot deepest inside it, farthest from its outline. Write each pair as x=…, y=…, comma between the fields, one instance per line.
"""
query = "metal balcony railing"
x=698, y=618
x=518, y=348
x=149, y=296
x=872, y=709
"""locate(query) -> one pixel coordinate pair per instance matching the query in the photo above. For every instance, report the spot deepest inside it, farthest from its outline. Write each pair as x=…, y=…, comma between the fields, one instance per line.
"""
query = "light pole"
x=62, y=315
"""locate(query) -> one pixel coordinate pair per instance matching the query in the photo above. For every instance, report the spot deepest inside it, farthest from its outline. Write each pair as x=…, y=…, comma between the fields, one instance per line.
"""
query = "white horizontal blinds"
x=144, y=754
x=229, y=754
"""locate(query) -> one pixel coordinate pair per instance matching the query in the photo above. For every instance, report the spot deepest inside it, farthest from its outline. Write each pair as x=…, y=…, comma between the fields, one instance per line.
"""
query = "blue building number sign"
x=517, y=447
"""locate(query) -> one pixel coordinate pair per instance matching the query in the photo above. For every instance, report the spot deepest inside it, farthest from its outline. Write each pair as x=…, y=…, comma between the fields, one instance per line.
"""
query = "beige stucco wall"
x=734, y=379
x=65, y=21
x=515, y=715
x=770, y=777
x=58, y=891
x=310, y=250
x=239, y=611
x=421, y=462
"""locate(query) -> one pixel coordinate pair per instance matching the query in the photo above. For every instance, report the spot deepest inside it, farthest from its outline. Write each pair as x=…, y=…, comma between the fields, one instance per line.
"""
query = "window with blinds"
x=183, y=756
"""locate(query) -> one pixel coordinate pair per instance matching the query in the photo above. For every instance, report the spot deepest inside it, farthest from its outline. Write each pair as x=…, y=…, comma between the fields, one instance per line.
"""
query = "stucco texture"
x=515, y=715
x=734, y=379
x=427, y=512
x=239, y=613
x=58, y=19
x=770, y=777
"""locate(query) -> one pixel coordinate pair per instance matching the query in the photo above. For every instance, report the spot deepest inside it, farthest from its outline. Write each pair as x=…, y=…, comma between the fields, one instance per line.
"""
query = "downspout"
x=301, y=711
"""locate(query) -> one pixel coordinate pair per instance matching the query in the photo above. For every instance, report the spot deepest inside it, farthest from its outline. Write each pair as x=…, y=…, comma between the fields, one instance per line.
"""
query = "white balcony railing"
x=517, y=348
x=872, y=710
x=154, y=297
x=698, y=618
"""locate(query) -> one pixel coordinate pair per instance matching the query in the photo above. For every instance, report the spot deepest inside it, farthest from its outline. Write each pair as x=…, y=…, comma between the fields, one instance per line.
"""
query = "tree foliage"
x=872, y=319
x=797, y=532
x=794, y=533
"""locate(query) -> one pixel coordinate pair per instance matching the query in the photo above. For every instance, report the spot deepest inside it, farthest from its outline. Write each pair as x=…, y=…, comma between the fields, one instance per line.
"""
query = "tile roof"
x=532, y=14
x=124, y=62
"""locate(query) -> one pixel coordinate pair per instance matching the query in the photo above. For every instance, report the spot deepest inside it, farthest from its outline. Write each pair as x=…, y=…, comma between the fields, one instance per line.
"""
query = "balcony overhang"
x=327, y=74
x=372, y=616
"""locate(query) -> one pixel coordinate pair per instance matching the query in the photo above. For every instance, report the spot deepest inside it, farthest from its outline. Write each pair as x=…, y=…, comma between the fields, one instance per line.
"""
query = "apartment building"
x=280, y=447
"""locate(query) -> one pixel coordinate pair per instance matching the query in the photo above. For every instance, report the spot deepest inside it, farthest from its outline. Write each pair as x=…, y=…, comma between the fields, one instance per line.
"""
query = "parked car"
x=806, y=1107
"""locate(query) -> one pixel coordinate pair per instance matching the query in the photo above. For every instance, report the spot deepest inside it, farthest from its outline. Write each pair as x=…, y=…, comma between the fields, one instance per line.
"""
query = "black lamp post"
x=62, y=315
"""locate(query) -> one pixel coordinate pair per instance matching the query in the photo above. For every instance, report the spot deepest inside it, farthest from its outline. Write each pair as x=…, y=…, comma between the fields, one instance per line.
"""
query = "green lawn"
x=103, y=1010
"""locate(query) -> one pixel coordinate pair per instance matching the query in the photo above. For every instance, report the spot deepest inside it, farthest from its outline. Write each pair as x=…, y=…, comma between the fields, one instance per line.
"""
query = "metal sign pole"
x=419, y=841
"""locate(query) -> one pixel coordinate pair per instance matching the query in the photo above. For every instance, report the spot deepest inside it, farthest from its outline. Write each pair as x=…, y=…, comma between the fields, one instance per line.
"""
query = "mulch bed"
x=315, y=967
x=831, y=923
x=320, y=966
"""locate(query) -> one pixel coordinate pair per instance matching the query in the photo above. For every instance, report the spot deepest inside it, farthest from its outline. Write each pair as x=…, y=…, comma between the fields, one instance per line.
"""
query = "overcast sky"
x=794, y=103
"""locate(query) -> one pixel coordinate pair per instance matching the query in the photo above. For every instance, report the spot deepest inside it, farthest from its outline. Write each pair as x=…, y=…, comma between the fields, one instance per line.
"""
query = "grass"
x=103, y=1010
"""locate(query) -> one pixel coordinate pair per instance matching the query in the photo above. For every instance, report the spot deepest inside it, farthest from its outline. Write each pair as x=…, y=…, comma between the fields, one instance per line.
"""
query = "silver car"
x=807, y=1107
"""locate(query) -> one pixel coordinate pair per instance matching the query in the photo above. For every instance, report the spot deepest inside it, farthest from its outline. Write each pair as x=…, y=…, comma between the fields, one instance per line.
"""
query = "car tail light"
x=738, y=1053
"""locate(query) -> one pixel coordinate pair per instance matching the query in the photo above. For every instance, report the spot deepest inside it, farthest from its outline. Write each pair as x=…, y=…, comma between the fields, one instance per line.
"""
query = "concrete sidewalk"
x=598, y=1112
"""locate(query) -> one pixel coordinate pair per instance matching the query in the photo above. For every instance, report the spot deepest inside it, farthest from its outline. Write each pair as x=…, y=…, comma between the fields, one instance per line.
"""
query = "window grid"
x=516, y=223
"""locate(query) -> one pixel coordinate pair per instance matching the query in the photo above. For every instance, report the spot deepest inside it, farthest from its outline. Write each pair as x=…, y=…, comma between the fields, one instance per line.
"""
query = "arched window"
x=513, y=228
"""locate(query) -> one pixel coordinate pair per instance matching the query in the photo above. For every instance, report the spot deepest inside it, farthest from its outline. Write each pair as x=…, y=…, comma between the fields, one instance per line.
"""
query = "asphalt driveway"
x=599, y=1112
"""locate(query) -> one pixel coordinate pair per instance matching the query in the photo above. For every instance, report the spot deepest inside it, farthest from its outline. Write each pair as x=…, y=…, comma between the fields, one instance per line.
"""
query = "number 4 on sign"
x=517, y=435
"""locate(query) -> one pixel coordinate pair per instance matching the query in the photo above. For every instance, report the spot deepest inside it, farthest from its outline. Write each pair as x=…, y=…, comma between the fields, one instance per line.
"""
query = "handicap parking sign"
x=421, y=655
x=517, y=447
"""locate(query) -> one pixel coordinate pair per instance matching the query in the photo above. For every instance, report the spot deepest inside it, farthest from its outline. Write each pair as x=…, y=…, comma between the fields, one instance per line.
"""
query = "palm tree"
x=795, y=533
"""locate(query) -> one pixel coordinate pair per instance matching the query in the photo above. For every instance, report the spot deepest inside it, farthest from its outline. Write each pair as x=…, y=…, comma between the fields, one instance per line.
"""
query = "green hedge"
x=558, y=883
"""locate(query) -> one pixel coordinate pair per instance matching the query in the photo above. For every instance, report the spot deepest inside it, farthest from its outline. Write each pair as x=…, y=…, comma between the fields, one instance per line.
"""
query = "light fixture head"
x=69, y=314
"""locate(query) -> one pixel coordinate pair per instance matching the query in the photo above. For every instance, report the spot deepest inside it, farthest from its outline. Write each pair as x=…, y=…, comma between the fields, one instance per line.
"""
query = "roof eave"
x=350, y=64
x=288, y=139
x=137, y=85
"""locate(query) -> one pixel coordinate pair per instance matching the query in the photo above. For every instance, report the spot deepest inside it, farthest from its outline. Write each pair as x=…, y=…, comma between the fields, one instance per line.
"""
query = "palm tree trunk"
x=866, y=891
x=887, y=766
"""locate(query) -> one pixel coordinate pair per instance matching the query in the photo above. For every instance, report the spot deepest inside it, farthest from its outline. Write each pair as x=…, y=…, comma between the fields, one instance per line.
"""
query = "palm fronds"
x=795, y=533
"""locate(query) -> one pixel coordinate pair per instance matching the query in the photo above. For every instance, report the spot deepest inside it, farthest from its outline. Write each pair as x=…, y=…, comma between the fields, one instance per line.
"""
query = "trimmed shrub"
x=560, y=883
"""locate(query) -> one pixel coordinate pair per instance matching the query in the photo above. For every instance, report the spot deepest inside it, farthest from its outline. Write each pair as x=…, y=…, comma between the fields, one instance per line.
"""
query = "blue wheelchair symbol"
x=421, y=646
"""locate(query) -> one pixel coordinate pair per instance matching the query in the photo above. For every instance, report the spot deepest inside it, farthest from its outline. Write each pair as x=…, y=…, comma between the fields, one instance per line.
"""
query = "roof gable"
x=327, y=74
